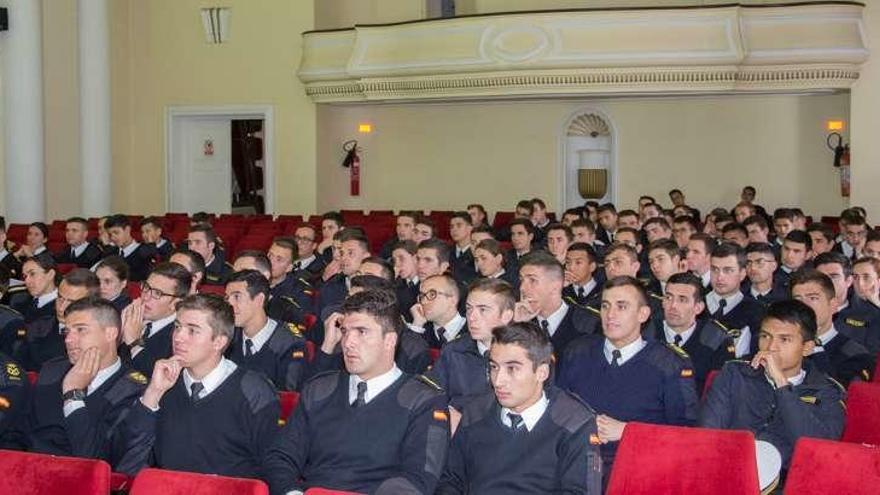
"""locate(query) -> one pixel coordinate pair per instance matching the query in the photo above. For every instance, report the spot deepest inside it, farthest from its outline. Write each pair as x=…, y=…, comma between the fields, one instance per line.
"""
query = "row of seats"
x=649, y=461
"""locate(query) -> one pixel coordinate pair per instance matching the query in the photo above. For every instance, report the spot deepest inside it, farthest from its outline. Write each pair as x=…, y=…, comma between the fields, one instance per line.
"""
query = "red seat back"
x=649, y=461
x=154, y=481
x=820, y=467
x=219, y=290
x=289, y=401
x=134, y=290
x=65, y=268
x=863, y=413
x=709, y=379
x=325, y=491
x=39, y=474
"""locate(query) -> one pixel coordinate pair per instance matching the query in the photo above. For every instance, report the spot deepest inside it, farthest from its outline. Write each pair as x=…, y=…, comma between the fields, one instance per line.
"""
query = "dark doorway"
x=248, y=195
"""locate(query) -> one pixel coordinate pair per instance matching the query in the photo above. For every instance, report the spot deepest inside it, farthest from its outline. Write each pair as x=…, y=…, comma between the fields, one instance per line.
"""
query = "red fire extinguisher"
x=353, y=163
x=841, y=161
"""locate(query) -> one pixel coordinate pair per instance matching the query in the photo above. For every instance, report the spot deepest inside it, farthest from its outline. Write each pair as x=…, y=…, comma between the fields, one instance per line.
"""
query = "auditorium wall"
x=443, y=155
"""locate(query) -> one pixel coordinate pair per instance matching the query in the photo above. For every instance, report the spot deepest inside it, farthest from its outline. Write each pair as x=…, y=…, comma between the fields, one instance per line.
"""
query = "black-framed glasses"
x=153, y=292
x=432, y=294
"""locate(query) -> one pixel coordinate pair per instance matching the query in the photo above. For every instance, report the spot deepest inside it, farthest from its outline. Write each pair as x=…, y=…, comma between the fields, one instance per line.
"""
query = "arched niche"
x=589, y=171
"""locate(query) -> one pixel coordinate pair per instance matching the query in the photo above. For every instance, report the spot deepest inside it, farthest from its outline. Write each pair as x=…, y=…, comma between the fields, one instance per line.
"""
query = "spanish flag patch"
x=4, y=403
x=297, y=355
x=687, y=373
x=594, y=439
x=441, y=415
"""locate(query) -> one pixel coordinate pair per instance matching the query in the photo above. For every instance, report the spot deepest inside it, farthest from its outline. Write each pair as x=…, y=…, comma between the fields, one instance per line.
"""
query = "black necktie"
x=361, y=399
x=72, y=253
x=677, y=340
x=516, y=421
x=545, y=325
x=440, y=332
x=196, y=391
x=147, y=328
x=297, y=266
x=36, y=303
x=248, y=347
x=615, y=358
x=720, y=311
x=580, y=292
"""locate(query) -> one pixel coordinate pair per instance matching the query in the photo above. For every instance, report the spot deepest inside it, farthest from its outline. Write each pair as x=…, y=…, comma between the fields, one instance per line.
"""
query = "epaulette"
x=678, y=350
x=572, y=302
x=230, y=265
x=290, y=300
x=137, y=377
x=656, y=296
x=427, y=381
x=16, y=289
x=11, y=310
x=295, y=329
x=733, y=333
x=13, y=372
x=854, y=322
x=594, y=310
x=839, y=385
x=304, y=282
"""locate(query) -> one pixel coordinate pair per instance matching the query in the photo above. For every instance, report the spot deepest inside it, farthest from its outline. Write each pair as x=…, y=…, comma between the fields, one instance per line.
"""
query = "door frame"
x=175, y=114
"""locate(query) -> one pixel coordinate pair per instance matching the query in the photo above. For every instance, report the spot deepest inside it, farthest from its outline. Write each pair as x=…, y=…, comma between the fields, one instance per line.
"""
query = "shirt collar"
x=712, y=300
x=453, y=327
x=127, y=250
x=303, y=263
x=706, y=278
x=588, y=287
x=161, y=242
x=39, y=249
x=460, y=251
x=824, y=339
x=556, y=318
x=757, y=294
x=481, y=347
x=498, y=274
x=670, y=333
x=260, y=339
x=78, y=250
x=530, y=416
x=3, y=253
x=375, y=385
x=47, y=298
x=212, y=380
x=103, y=375
x=626, y=352
x=794, y=381
x=160, y=324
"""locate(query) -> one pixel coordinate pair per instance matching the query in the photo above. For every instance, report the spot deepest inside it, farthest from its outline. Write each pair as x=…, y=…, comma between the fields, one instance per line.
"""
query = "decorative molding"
x=588, y=124
x=725, y=49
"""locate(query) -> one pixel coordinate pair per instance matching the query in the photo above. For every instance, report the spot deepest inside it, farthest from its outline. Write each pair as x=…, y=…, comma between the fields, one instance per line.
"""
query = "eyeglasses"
x=300, y=238
x=431, y=295
x=153, y=292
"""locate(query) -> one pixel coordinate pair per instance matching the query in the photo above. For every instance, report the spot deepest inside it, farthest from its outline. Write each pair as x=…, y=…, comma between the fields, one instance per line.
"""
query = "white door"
x=201, y=167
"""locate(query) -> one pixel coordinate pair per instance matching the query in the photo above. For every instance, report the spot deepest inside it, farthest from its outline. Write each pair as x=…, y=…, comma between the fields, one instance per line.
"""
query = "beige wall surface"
x=160, y=58
x=335, y=14
x=447, y=155
x=465, y=7
x=865, y=123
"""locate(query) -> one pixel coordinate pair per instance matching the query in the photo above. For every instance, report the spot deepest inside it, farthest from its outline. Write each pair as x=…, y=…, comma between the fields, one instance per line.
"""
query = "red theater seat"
x=65, y=268
x=134, y=290
x=709, y=379
x=289, y=401
x=820, y=467
x=863, y=413
x=324, y=491
x=219, y=290
x=653, y=459
x=157, y=481
x=38, y=474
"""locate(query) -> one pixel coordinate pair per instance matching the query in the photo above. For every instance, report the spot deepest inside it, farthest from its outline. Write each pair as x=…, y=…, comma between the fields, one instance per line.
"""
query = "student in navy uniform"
x=436, y=315
x=79, y=251
x=622, y=376
x=424, y=229
x=203, y=240
x=370, y=428
x=706, y=343
x=284, y=283
x=523, y=438
x=522, y=236
x=460, y=229
x=201, y=412
x=406, y=278
x=405, y=224
x=779, y=396
x=193, y=263
x=461, y=370
x=698, y=252
x=39, y=275
x=35, y=243
x=112, y=273
x=726, y=303
x=148, y=322
x=79, y=399
x=822, y=237
x=622, y=260
x=761, y=284
x=541, y=281
x=275, y=349
x=14, y=397
x=331, y=224
x=797, y=250
x=558, y=238
x=7, y=260
x=44, y=340
x=281, y=309
x=140, y=257
x=490, y=262
x=308, y=265
x=866, y=282
x=151, y=232
x=854, y=317
x=581, y=286
x=665, y=260
x=835, y=354
x=12, y=325
x=354, y=250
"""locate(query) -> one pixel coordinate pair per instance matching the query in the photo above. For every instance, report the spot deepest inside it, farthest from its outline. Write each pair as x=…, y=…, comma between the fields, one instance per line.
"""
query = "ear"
x=543, y=372
x=644, y=313
x=390, y=341
x=444, y=267
x=111, y=334
x=700, y=306
x=808, y=348
x=220, y=342
x=507, y=316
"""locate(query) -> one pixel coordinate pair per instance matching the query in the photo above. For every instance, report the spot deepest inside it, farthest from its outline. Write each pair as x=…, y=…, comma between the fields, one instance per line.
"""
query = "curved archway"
x=588, y=169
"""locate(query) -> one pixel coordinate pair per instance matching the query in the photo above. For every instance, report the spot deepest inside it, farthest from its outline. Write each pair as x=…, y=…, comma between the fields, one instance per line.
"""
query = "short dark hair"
x=408, y=214
x=628, y=213
x=692, y=223
x=288, y=243
x=823, y=229
x=80, y=220
x=408, y=245
x=668, y=245
x=196, y=261
x=104, y=312
x=760, y=247
x=497, y=287
x=539, y=202
x=811, y=275
x=379, y=304
x=526, y=204
x=117, y=220
x=626, y=249
x=659, y=221
x=834, y=258
x=154, y=221
x=606, y=207
x=45, y=262
x=492, y=246
x=261, y=261
x=561, y=226
x=758, y=220
x=674, y=191
x=210, y=235
x=794, y=312
x=585, y=223
x=440, y=248
x=530, y=337
x=350, y=234
x=117, y=265
x=386, y=270
x=254, y=281
x=372, y=282
x=333, y=216
x=800, y=237
x=783, y=214
x=221, y=318
x=42, y=227
x=627, y=281
x=873, y=236
x=543, y=260
x=483, y=229
x=462, y=215
x=586, y=248
x=82, y=277
x=688, y=278
x=725, y=249
x=735, y=227
x=201, y=217
x=525, y=223
x=181, y=276
x=578, y=212
x=707, y=240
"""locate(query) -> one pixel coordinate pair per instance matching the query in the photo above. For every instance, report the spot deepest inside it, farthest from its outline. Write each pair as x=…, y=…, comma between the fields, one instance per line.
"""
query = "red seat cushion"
x=39, y=474
x=820, y=467
x=325, y=491
x=289, y=401
x=863, y=413
x=158, y=481
x=651, y=459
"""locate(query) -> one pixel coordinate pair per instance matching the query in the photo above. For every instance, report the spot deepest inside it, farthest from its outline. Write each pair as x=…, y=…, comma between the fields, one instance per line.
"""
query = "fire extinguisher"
x=841, y=160
x=353, y=163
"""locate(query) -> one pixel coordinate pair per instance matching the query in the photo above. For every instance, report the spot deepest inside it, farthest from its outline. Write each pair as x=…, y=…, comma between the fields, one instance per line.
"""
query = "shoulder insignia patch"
x=594, y=439
x=295, y=329
x=572, y=302
x=21, y=332
x=138, y=377
x=12, y=370
x=809, y=399
x=440, y=415
x=854, y=322
x=687, y=373
x=678, y=350
x=4, y=403
x=731, y=349
x=297, y=354
x=427, y=381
